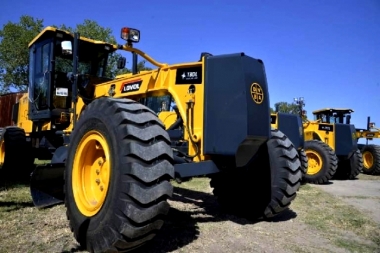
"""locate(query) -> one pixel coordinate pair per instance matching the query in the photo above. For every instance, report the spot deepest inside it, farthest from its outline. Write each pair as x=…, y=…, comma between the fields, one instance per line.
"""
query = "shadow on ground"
x=181, y=226
x=10, y=180
x=9, y=206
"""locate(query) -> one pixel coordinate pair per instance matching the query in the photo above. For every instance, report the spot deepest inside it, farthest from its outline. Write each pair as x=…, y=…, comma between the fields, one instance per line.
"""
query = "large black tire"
x=304, y=162
x=322, y=160
x=141, y=167
x=371, y=159
x=16, y=158
x=350, y=168
x=264, y=188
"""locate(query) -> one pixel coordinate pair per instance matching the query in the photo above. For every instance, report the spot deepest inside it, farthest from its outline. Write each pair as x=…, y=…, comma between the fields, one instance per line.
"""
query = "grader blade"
x=46, y=185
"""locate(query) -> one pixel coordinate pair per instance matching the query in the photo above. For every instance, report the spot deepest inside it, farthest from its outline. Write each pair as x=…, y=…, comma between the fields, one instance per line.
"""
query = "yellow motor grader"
x=115, y=143
x=331, y=146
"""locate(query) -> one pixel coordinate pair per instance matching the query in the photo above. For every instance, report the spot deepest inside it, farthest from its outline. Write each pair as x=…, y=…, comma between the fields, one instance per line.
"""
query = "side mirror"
x=67, y=48
x=121, y=62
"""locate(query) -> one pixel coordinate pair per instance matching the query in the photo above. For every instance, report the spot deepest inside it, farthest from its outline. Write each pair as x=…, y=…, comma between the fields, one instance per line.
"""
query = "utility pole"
x=301, y=103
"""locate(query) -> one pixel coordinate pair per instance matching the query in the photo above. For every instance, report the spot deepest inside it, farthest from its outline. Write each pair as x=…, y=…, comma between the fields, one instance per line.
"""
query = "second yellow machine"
x=331, y=146
x=116, y=143
x=371, y=152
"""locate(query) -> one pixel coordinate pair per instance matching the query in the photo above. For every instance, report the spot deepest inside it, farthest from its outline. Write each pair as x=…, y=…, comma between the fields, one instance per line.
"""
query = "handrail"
x=142, y=54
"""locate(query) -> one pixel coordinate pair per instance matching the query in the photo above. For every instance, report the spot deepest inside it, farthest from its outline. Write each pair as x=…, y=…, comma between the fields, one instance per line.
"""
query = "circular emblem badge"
x=257, y=93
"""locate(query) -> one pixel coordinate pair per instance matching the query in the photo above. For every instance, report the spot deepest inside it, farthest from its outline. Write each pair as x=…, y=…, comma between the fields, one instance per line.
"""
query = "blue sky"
x=327, y=51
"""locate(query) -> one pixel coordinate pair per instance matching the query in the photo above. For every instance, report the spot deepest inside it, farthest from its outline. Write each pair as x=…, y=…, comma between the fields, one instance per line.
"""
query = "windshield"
x=66, y=65
x=92, y=60
x=332, y=119
x=92, y=70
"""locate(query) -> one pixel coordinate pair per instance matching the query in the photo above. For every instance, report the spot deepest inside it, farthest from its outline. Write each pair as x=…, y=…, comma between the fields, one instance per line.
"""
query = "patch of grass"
x=353, y=246
x=197, y=184
x=28, y=229
x=14, y=198
x=339, y=221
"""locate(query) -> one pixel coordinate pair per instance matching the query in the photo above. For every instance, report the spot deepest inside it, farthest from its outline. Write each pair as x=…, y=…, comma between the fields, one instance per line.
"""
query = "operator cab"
x=333, y=115
x=51, y=74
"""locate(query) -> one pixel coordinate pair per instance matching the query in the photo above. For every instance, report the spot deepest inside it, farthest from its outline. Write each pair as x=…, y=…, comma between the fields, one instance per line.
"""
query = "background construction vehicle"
x=370, y=152
x=114, y=147
x=291, y=125
x=331, y=146
x=16, y=143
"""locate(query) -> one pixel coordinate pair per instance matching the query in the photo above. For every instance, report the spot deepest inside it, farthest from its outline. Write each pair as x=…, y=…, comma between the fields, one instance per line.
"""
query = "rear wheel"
x=371, y=159
x=350, y=168
x=117, y=176
x=322, y=162
x=16, y=158
x=264, y=188
x=304, y=162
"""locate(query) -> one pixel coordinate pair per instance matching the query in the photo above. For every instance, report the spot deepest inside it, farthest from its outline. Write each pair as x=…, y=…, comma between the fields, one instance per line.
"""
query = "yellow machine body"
x=166, y=80
x=370, y=133
x=332, y=126
x=314, y=130
x=115, y=142
x=291, y=125
x=156, y=83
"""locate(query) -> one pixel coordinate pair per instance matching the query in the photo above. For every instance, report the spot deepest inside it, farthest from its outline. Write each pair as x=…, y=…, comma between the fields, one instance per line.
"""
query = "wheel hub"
x=91, y=173
x=367, y=160
x=315, y=162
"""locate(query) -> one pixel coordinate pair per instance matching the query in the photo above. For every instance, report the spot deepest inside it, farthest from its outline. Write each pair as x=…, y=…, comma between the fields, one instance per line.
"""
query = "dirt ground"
x=213, y=231
x=344, y=221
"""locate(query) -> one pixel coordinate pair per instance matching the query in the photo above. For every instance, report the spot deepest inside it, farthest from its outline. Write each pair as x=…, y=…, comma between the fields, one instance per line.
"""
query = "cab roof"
x=49, y=32
x=333, y=110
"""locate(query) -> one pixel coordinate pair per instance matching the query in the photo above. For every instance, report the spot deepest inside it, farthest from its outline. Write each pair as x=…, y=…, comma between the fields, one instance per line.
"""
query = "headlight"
x=130, y=34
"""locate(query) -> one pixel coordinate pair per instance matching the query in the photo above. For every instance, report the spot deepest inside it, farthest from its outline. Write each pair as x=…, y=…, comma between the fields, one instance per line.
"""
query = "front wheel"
x=371, y=159
x=323, y=162
x=117, y=176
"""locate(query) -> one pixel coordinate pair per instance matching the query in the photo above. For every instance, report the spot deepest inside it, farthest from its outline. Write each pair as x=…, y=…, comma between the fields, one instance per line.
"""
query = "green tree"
x=92, y=30
x=287, y=107
x=14, y=56
x=141, y=66
x=292, y=108
x=15, y=38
